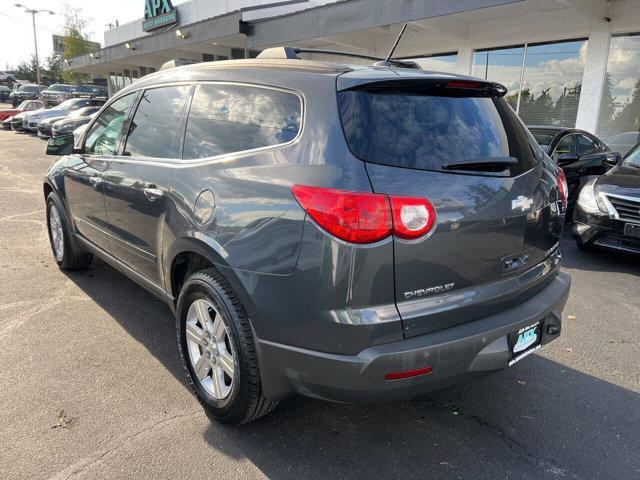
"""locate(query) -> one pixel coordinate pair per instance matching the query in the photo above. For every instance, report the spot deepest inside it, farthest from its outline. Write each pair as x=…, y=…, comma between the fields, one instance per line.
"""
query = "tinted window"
x=543, y=138
x=153, y=131
x=633, y=157
x=230, y=118
x=28, y=88
x=586, y=145
x=102, y=137
x=415, y=125
x=566, y=145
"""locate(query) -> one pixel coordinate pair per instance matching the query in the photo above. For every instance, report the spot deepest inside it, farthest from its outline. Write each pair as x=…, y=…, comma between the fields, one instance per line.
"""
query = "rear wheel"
x=218, y=349
x=64, y=253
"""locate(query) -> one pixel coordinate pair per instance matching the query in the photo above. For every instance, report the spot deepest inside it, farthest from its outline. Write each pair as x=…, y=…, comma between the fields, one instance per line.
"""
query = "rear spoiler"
x=430, y=84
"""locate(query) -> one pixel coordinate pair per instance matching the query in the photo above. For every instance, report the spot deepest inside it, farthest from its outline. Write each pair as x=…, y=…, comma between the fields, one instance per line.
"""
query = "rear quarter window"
x=417, y=126
x=226, y=119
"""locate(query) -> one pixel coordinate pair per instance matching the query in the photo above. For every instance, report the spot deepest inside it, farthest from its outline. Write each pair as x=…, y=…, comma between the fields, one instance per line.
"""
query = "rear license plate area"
x=631, y=230
x=524, y=342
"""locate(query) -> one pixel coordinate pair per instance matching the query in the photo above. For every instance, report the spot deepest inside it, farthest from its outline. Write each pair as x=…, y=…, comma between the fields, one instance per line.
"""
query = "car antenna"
x=387, y=61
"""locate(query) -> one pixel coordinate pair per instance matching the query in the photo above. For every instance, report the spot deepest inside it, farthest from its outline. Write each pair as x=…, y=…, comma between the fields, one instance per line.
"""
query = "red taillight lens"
x=412, y=217
x=351, y=216
x=563, y=188
x=359, y=217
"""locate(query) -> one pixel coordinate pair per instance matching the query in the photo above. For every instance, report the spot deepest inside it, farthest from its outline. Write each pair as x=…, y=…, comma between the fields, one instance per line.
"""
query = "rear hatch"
x=457, y=143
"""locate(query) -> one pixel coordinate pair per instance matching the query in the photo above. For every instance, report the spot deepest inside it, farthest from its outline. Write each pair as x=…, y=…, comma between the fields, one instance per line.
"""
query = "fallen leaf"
x=571, y=317
x=63, y=421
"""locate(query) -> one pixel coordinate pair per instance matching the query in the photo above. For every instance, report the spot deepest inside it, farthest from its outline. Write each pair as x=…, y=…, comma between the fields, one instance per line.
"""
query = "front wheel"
x=64, y=252
x=218, y=349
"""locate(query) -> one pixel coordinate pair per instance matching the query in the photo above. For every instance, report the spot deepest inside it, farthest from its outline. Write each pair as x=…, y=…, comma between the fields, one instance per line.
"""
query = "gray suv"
x=349, y=233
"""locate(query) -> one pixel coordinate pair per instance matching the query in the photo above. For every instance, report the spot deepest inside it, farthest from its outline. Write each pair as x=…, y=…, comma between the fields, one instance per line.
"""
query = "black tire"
x=71, y=259
x=245, y=402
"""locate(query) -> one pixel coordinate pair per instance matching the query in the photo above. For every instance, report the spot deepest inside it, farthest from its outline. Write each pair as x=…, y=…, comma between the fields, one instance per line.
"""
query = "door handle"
x=153, y=193
x=95, y=181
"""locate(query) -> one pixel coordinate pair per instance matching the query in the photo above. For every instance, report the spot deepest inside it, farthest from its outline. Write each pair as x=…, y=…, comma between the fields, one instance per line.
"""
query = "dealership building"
x=564, y=62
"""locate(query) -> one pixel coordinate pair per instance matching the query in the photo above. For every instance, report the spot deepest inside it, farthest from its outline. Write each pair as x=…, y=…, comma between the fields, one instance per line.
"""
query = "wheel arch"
x=193, y=253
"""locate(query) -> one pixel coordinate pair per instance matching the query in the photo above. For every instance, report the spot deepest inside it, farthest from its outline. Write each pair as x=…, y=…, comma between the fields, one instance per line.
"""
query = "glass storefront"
x=543, y=80
x=445, y=62
x=619, y=117
x=503, y=65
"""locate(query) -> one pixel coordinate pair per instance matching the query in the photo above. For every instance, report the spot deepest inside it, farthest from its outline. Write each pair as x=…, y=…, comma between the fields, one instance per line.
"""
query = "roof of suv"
x=350, y=74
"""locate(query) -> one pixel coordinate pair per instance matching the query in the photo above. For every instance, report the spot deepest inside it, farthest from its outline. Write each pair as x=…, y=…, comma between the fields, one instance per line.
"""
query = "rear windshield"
x=28, y=88
x=422, y=126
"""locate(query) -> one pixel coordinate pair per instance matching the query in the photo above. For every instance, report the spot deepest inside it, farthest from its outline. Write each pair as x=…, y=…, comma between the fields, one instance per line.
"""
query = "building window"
x=442, y=62
x=503, y=65
x=544, y=81
x=619, y=118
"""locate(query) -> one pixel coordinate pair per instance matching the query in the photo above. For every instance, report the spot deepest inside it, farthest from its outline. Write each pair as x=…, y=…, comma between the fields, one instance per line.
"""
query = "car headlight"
x=587, y=199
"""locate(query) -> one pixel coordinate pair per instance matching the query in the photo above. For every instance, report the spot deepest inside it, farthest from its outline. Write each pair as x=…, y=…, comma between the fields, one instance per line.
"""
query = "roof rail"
x=292, y=53
x=177, y=62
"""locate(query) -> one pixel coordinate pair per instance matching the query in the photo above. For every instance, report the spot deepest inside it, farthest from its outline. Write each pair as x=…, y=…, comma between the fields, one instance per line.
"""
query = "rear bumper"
x=455, y=354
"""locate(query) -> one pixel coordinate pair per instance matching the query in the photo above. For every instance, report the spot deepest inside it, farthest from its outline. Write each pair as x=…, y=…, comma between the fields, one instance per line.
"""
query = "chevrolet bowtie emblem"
x=522, y=203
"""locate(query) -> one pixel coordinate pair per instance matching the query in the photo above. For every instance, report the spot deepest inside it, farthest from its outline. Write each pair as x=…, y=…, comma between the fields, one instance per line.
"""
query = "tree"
x=53, y=68
x=26, y=70
x=609, y=106
x=75, y=40
x=628, y=119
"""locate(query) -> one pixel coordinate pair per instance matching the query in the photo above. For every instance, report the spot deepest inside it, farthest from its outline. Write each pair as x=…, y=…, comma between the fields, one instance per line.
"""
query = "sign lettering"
x=159, y=13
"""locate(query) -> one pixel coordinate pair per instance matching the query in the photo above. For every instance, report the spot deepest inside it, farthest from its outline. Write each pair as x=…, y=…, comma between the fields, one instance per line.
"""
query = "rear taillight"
x=412, y=217
x=351, y=216
x=563, y=188
x=358, y=217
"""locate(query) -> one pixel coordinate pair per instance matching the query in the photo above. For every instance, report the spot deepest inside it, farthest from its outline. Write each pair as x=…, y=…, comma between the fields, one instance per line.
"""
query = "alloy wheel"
x=57, y=234
x=211, y=353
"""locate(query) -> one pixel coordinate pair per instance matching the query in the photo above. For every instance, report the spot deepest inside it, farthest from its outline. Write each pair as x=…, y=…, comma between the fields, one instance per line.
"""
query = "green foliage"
x=27, y=70
x=74, y=41
x=628, y=119
x=53, y=68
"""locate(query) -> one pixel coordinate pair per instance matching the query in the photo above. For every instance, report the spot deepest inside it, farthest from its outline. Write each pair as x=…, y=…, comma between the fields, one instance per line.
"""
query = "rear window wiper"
x=493, y=164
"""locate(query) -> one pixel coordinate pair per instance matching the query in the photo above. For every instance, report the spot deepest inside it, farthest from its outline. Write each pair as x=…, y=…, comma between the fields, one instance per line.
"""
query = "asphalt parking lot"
x=91, y=384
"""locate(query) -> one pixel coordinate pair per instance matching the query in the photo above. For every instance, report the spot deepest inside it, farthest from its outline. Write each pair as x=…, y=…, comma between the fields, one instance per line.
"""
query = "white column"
x=465, y=52
x=465, y=57
x=595, y=67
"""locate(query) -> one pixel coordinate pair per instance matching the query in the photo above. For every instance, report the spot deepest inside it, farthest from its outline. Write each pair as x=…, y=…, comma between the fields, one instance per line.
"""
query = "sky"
x=16, y=27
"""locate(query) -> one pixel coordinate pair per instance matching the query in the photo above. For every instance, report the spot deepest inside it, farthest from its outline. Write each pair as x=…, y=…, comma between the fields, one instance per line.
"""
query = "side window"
x=586, y=146
x=153, y=131
x=102, y=137
x=566, y=145
x=232, y=118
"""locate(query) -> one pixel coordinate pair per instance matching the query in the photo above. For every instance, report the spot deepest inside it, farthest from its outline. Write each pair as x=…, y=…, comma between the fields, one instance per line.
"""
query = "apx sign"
x=159, y=13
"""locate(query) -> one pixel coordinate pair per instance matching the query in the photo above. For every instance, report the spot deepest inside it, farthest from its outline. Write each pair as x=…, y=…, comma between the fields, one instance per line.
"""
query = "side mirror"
x=566, y=158
x=612, y=159
x=60, y=145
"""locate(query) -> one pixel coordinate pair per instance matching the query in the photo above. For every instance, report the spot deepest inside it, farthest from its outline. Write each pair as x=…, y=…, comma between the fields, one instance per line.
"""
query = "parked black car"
x=608, y=210
x=24, y=92
x=90, y=91
x=67, y=125
x=348, y=233
x=5, y=92
x=57, y=93
x=581, y=155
